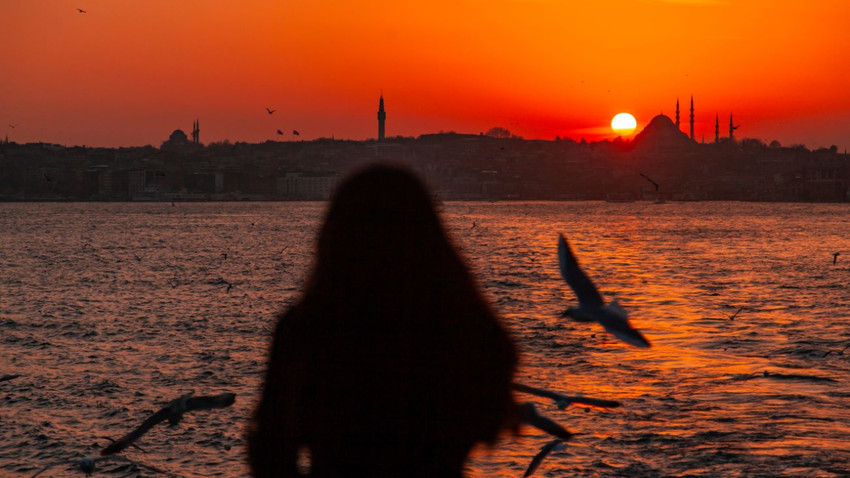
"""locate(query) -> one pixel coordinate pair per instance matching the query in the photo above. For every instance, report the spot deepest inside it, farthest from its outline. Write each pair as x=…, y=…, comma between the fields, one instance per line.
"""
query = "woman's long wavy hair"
x=392, y=363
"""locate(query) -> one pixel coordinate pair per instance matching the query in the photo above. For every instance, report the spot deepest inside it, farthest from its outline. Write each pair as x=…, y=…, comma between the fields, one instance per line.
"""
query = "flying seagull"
x=296, y=133
x=563, y=401
x=13, y=126
x=280, y=132
x=528, y=414
x=173, y=412
x=650, y=180
x=81, y=10
x=835, y=257
x=591, y=307
x=271, y=112
x=86, y=465
x=554, y=445
x=839, y=353
x=732, y=317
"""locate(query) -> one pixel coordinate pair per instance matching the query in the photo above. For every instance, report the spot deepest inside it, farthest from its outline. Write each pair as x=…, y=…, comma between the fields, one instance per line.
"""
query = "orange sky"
x=129, y=72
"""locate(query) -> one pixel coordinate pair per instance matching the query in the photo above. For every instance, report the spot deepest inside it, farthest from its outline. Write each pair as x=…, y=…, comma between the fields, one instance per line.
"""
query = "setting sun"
x=623, y=123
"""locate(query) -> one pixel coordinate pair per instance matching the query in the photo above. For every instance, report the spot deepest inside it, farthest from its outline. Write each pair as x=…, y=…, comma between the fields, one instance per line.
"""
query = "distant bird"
x=296, y=133
x=46, y=177
x=732, y=317
x=81, y=10
x=563, y=401
x=528, y=414
x=8, y=377
x=841, y=352
x=736, y=127
x=173, y=412
x=280, y=132
x=271, y=112
x=650, y=180
x=86, y=465
x=591, y=307
x=554, y=445
x=835, y=257
x=13, y=126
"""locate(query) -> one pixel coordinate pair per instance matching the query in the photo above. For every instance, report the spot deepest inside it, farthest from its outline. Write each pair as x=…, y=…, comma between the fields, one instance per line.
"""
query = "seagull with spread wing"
x=528, y=414
x=591, y=307
x=173, y=412
x=650, y=180
x=81, y=10
x=563, y=401
x=270, y=111
x=87, y=465
x=554, y=445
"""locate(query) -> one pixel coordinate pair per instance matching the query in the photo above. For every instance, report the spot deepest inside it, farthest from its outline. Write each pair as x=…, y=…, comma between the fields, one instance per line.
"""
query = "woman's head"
x=381, y=224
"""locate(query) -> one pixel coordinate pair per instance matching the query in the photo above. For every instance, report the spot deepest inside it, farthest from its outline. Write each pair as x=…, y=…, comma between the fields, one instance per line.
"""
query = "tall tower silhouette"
x=732, y=128
x=716, y=128
x=692, y=117
x=382, y=118
x=677, y=113
x=196, y=132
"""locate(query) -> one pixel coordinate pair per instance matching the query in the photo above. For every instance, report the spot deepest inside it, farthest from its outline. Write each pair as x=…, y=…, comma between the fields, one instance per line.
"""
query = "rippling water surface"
x=109, y=310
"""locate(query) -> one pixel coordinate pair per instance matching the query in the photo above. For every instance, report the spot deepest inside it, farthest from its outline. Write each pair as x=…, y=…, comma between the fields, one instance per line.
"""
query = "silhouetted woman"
x=391, y=364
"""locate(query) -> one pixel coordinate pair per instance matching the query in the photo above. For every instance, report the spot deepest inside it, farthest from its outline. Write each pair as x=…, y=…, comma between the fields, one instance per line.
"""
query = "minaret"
x=677, y=113
x=382, y=118
x=716, y=128
x=731, y=128
x=196, y=132
x=692, y=117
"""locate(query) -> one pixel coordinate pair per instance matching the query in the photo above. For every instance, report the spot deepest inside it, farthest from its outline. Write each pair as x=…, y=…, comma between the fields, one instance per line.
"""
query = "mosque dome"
x=661, y=131
x=178, y=136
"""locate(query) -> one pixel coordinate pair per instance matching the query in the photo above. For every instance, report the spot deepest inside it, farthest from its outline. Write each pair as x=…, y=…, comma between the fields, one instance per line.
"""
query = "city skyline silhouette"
x=126, y=75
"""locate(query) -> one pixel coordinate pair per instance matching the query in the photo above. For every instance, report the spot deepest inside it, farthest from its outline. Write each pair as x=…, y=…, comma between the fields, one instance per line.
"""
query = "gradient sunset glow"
x=129, y=73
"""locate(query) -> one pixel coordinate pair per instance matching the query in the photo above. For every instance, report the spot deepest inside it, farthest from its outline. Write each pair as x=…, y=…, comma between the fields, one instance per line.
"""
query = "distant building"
x=382, y=118
x=661, y=134
x=178, y=141
x=309, y=186
x=692, y=118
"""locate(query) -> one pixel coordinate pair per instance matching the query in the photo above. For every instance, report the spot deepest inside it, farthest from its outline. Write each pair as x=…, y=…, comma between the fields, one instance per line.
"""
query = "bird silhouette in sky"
x=554, y=445
x=650, y=180
x=270, y=111
x=295, y=132
x=280, y=132
x=591, y=307
x=13, y=126
x=173, y=412
x=563, y=401
x=81, y=10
